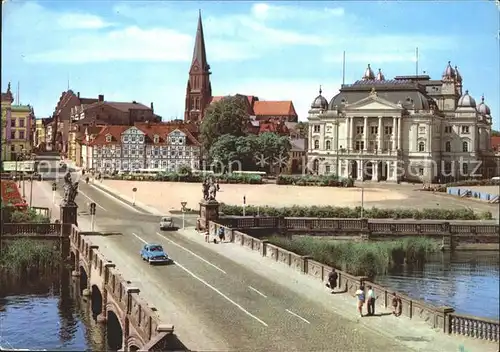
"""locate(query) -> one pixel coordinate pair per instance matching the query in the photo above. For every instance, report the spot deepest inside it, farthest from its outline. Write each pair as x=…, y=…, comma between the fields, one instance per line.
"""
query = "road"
x=214, y=302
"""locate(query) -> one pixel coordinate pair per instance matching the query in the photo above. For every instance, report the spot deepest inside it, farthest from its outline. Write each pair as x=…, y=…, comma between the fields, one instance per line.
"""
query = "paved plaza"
x=167, y=196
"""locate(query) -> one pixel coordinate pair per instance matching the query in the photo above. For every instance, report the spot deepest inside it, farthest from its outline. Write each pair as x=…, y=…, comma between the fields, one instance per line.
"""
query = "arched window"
x=465, y=146
x=447, y=146
x=316, y=144
x=328, y=145
x=316, y=165
x=421, y=146
x=465, y=169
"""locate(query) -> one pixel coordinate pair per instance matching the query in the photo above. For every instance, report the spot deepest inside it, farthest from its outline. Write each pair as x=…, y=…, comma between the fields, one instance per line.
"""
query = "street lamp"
x=54, y=188
x=31, y=189
x=244, y=204
x=183, y=205
x=92, y=216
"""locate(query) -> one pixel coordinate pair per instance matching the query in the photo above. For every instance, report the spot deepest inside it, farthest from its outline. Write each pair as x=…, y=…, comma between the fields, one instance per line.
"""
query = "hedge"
x=347, y=212
x=315, y=180
x=189, y=177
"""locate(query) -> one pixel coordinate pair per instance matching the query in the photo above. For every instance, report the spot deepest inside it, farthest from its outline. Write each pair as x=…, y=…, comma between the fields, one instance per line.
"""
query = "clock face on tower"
x=195, y=68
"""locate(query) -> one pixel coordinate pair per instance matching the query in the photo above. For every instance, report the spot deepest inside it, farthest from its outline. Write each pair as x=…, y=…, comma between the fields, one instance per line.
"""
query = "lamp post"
x=244, y=204
x=183, y=205
x=31, y=190
x=54, y=188
x=134, y=192
x=92, y=216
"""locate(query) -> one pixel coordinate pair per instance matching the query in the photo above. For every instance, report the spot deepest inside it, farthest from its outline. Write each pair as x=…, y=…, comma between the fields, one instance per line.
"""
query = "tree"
x=274, y=150
x=223, y=152
x=227, y=116
x=495, y=133
x=302, y=129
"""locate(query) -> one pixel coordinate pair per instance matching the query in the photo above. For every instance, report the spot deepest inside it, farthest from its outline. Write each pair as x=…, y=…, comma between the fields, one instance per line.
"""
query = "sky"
x=142, y=50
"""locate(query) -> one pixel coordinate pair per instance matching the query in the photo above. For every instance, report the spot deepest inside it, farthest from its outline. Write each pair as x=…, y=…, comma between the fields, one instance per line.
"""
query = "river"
x=466, y=281
x=48, y=316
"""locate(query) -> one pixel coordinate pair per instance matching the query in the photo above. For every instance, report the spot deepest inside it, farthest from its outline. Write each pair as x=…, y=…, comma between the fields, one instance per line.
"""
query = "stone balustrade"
x=21, y=229
x=442, y=318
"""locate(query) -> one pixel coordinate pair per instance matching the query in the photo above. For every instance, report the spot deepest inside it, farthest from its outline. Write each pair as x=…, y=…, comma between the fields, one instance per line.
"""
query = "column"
x=394, y=137
x=365, y=133
x=347, y=130
x=380, y=134
x=351, y=133
x=399, y=132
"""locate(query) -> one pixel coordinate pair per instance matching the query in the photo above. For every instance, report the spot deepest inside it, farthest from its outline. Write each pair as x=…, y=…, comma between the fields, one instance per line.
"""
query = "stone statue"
x=70, y=191
x=205, y=186
x=212, y=191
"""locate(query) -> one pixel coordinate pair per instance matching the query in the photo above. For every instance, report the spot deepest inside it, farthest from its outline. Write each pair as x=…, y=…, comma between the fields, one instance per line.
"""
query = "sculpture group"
x=70, y=191
x=209, y=188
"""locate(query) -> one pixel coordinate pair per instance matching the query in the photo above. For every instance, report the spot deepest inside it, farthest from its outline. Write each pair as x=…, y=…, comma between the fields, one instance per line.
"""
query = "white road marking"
x=116, y=199
x=191, y=252
x=298, y=316
x=257, y=291
x=211, y=287
x=93, y=201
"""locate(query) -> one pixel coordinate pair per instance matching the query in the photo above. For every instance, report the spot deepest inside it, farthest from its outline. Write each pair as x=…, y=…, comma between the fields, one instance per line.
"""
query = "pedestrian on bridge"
x=370, y=303
x=360, y=294
x=332, y=280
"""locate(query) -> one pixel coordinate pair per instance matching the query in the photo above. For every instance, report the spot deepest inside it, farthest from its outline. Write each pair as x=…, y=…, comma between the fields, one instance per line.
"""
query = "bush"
x=346, y=212
x=28, y=216
x=186, y=176
x=315, y=180
x=360, y=258
x=24, y=254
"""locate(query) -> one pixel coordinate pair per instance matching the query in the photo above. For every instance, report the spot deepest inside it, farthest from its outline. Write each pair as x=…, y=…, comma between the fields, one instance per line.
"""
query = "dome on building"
x=466, y=101
x=369, y=75
x=458, y=76
x=482, y=108
x=449, y=72
x=380, y=75
x=319, y=102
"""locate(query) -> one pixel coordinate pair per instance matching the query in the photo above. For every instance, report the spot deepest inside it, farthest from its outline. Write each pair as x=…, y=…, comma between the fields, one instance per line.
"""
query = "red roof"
x=274, y=108
x=162, y=130
x=273, y=126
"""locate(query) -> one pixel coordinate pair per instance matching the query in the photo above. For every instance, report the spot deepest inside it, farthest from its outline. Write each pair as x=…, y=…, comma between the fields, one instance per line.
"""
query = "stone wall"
x=442, y=318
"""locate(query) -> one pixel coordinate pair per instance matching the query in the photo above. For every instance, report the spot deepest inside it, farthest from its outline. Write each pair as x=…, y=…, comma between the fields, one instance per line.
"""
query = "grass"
x=361, y=258
x=24, y=255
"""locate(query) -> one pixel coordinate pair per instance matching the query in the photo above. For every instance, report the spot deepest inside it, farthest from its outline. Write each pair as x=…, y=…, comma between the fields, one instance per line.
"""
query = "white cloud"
x=81, y=21
x=264, y=11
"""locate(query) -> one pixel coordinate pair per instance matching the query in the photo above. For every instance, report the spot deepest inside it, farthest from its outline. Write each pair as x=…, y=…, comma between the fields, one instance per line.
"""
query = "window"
x=125, y=139
x=328, y=145
x=132, y=138
x=316, y=128
x=21, y=134
x=155, y=151
x=141, y=139
x=359, y=129
x=465, y=129
x=421, y=146
x=327, y=169
x=447, y=146
x=374, y=129
x=448, y=129
x=156, y=139
x=421, y=172
x=13, y=148
x=465, y=169
x=316, y=144
x=388, y=129
x=108, y=138
x=13, y=123
x=360, y=145
x=465, y=146
x=21, y=122
x=13, y=135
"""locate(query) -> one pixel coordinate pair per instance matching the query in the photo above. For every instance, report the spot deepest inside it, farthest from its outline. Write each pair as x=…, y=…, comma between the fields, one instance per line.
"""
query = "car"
x=166, y=223
x=154, y=254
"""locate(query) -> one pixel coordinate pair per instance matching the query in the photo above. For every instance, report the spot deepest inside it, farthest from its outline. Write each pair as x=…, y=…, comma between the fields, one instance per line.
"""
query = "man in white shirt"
x=370, y=300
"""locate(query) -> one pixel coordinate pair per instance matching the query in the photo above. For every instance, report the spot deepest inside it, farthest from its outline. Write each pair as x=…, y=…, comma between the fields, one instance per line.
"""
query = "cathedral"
x=199, y=93
x=410, y=128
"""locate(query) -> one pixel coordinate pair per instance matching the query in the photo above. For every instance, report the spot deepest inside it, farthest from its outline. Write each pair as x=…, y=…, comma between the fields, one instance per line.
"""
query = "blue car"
x=154, y=254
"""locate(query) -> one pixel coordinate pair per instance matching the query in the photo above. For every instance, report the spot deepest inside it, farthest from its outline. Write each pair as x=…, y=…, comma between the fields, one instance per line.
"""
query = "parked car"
x=154, y=254
x=166, y=223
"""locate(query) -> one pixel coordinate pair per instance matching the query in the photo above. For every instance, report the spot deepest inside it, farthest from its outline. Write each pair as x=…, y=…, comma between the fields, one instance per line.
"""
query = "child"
x=360, y=294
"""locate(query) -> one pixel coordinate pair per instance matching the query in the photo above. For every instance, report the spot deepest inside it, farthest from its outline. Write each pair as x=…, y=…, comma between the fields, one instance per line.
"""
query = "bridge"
x=219, y=297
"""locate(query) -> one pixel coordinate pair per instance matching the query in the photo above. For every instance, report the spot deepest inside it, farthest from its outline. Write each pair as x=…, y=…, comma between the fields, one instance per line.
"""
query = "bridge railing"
x=442, y=318
x=371, y=226
x=144, y=318
x=30, y=228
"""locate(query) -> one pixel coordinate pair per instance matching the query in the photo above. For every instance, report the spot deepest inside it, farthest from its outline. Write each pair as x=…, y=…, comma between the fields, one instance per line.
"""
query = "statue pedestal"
x=69, y=214
x=209, y=211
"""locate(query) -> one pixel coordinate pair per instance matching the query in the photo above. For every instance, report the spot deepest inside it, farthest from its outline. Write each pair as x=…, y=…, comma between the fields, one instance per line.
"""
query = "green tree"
x=274, y=149
x=245, y=149
x=302, y=129
x=495, y=133
x=227, y=116
x=223, y=152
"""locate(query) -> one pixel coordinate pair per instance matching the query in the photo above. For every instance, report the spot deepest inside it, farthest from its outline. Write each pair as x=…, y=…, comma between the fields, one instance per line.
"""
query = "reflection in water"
x=62, y=319
x=466, y=281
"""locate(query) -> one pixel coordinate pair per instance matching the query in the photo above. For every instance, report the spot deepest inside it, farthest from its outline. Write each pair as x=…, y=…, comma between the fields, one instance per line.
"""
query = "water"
x=50, y=318
x=466, y=281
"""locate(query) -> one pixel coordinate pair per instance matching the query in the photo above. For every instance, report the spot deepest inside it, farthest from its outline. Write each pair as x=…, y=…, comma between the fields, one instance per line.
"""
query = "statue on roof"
x=373, y=91
x=8, y=88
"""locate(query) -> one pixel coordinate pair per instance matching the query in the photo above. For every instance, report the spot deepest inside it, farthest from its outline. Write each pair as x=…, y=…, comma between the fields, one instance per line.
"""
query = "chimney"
x=78, y=95
x=152, y=107
x=101, y=97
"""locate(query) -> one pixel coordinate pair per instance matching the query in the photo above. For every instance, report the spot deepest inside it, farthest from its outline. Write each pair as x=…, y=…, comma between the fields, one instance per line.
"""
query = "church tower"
x=199, y=89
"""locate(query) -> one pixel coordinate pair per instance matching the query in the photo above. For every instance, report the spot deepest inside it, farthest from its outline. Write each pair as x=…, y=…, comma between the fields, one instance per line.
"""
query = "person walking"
x=360, y=294
x=332, y=280
x=370, y=303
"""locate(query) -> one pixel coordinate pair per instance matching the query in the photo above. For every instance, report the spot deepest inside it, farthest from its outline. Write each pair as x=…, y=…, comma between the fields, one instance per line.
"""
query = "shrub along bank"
x=360, y=258
x=315, y=180
x=189, y=177
x=23, y=255
x=347, y=212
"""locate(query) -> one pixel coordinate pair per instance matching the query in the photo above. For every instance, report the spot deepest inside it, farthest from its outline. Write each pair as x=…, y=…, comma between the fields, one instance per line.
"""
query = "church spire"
x=199, y=52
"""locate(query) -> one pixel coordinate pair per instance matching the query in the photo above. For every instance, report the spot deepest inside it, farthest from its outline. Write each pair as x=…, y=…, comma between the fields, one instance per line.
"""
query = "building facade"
x=7, y=100
x=409, y=128
x=142, y=146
